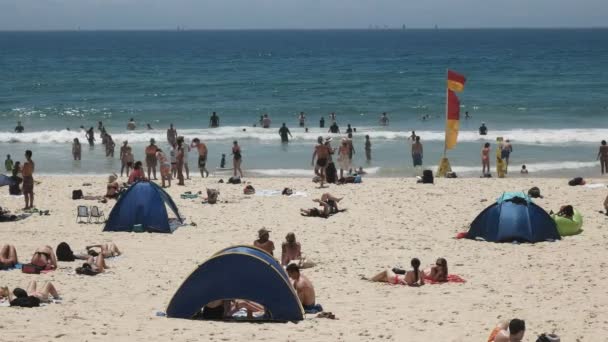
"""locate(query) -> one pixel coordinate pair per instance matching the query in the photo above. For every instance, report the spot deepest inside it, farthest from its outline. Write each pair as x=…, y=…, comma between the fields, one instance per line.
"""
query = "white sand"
x=556, y=287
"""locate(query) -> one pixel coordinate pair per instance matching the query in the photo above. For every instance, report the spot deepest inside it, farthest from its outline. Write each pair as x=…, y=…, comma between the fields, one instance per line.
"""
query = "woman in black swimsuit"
x=237, y=158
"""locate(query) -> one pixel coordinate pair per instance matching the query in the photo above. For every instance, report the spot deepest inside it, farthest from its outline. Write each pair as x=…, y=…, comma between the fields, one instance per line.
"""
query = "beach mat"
x=452, y=278
x=271, y=193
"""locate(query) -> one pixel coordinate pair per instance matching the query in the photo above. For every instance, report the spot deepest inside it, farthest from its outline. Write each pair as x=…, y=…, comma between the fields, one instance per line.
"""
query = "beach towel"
x=13, y=218
x=17, y=266
x=271, y=193
x=188, y=196
x=594, y=185
x=452, y=278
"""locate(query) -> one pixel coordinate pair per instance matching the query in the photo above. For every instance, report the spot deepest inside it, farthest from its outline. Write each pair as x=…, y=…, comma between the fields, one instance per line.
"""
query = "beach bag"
x=576, y=181
x=548, y=338
x=31, y=269
x=249, y=190
x=427, y=177
x=77, y=194
x=212, y=196
x=357, y=179
x=451, y=175
x=234, y=180
x=64, y=252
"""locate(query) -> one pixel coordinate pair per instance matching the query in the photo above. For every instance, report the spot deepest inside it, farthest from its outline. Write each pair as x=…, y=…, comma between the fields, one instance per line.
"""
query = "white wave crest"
x=537, y=167
x=298, y=172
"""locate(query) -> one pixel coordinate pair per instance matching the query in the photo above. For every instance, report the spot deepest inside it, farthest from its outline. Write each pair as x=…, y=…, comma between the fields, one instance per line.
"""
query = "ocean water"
x=546, y=90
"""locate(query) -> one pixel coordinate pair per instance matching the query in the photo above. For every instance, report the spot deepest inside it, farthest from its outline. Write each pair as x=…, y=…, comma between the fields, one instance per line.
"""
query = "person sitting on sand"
x=44, y=257
x=137, y=174
x=263, y=242
x=32, y=297
x=8, y=257
x=524, y=170
x=291, y=250
x=304, y=289
x=512, y=331
x=439, y=272
x=395, y=276
x=113, y=188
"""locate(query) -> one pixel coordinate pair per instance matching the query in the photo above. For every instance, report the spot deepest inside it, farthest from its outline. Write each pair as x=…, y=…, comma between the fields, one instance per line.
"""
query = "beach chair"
x=97, y=214
x=82, y=212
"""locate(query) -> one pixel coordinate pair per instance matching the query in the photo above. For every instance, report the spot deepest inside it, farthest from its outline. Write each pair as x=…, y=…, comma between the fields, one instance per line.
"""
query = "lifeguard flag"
x=452, y=121
x=455, y=81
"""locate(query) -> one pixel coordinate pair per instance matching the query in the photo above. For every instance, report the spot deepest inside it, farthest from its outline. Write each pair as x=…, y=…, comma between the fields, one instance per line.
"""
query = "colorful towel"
x=15, y=267
x=452, y=278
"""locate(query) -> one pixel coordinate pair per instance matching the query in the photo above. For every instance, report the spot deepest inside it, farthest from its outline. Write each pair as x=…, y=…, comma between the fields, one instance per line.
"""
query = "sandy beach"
x=555, y=287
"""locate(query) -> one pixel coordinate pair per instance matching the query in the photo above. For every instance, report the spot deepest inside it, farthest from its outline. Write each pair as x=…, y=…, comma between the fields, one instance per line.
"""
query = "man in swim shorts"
x=322, y=156
x=304, y=289
x=417, y=152
x=28, y=180
x=202, y=156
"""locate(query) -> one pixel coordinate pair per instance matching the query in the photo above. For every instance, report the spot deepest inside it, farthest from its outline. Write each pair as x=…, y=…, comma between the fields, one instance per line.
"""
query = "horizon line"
x=186, y=29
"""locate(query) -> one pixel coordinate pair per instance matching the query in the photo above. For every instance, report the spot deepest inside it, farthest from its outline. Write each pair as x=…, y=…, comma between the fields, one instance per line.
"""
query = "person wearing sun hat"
x=263, y=242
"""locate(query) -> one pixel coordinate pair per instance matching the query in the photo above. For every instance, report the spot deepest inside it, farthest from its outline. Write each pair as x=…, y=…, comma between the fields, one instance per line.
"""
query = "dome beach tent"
x=142, y=204
x=514, y=217
x=240, y=272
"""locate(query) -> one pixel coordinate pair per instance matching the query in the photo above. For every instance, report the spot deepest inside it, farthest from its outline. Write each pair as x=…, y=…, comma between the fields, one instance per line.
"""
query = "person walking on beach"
x=417, y=152
x=344, y=159
x=8, y=163
x=110, y=146
x=165, y=167
x=322, y=122
x=602, y=156
x=172, y=135
x=485, y=159
x=151, y=160
x=266, y=121
x=302, y=119
x=285, y=134
x=368, y=149
x=202, y=156
x=90, y=135
x=131, y=125
x=180, y=157
x=76, y=149
x=19, y=128
x=384, y=119
x=237, y=158
x=505, y=152
x=321, y=153
x=214, y=121
x=28, y=180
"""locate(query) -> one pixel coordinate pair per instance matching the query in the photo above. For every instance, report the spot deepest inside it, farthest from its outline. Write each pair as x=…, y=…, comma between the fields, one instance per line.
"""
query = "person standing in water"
x=28, y=180
x=417, y=152
x=8, y=163
x=179, y=157
x=485, y=159
x=505, y=152
x=322, y=122
x=334, y=128
x=76, y=149
x=284, y=133
x=368, y=149
x=214, y=121
x=302, y=119
x=237, y=158
x=19, y=128
x=602, y=156
x=483, y=130
x=266, y=121
x=322, y=156
x=131, y=125
x=90, y=135
x=384, y=119
x=151, y=160
x=202, y=156
x=172, y=135
x=123, y=157
x=332, y=117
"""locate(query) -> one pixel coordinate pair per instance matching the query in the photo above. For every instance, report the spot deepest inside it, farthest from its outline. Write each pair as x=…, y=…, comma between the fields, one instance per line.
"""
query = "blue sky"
x=258, y=14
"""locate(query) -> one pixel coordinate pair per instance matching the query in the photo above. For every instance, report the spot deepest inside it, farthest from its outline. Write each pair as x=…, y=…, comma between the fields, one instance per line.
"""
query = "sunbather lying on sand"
x=45, y=257
x=395, y=276
x=93, y=266
x=439, y=272
x=221, y=309
x=8, y=256
x=20, y=297
x=329, y=204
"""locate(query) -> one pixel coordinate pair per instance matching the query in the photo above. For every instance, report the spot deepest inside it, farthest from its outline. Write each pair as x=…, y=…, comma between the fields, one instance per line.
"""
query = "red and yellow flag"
x=455, y=81
x=452, y=121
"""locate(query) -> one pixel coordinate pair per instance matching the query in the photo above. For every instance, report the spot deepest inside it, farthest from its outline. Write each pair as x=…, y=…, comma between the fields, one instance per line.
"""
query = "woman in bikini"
x=44, y=294
x=237, y=158
x=439, y=272
x=108, y=250
x=165, y=167
x=8, y=256
x=113, y=188
x=45, y=257
x=485, y=159
x=95, y=264
x=395, y=276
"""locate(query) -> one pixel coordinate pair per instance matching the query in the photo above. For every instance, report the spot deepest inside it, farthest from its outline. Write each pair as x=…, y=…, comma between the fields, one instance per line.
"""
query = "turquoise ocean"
x=545, y=90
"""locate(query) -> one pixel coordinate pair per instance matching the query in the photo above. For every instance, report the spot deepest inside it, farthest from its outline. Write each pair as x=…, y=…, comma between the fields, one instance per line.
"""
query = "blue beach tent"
x=514, y=217
x=142, y=204
x=240, y=272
